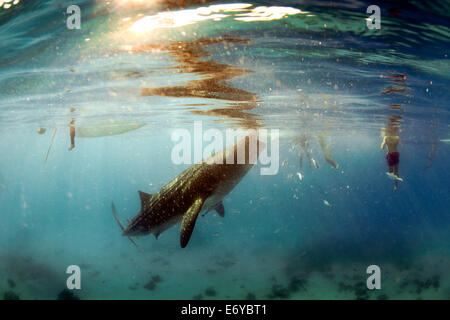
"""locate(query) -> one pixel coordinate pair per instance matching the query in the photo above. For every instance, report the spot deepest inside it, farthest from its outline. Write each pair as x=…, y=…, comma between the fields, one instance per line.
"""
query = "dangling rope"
x=51, y=143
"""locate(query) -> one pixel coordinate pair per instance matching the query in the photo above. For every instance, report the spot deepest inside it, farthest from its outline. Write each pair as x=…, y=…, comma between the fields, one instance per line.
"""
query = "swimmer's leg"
x=308, y=154
x=396, y=174
x=72, y=135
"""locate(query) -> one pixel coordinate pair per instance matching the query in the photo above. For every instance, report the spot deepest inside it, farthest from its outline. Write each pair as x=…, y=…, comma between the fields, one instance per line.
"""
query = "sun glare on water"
x=240, y=12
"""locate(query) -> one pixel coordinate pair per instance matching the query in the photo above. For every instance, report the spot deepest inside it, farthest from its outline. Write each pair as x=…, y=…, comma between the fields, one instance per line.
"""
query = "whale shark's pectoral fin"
x=188, y=224
x=220, y=209
x=145, y=197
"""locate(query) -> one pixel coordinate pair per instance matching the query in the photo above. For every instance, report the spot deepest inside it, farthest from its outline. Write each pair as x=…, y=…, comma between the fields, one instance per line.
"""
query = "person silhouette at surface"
x=326, y=151
x=72, y=131
x=391, y=140
x=305, y=150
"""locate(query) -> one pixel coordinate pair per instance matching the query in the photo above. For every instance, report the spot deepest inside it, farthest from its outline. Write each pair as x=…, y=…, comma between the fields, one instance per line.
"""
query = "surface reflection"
x=214, y=82
x=160, y=4
x=238, y=11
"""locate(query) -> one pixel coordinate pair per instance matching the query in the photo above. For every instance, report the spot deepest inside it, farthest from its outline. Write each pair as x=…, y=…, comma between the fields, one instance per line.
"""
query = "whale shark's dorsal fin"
x=145, y=197
x=220, y=209
x=188, y=224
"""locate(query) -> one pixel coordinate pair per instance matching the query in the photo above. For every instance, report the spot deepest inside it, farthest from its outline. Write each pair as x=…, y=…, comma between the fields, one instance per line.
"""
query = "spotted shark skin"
x=200, y=187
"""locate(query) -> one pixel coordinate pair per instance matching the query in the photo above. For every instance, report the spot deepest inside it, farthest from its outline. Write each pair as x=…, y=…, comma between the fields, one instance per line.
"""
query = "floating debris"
x=316, y=165
x=157, y=278
x=107, y=128
x=300, y=176
x=325, y=202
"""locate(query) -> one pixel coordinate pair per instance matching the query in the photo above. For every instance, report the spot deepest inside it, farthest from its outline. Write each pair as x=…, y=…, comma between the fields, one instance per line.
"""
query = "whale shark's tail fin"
x=116, y=216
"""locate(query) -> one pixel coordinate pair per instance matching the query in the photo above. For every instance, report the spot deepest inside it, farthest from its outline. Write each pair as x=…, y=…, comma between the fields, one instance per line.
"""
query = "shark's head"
x=140, y=226
x=143, y=225
x=135, y=230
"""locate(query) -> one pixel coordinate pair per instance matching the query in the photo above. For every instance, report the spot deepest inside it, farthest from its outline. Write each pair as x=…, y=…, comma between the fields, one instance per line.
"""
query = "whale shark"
x=201, y=187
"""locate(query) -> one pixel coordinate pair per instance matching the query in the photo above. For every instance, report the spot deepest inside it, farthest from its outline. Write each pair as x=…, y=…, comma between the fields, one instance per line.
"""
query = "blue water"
x=318, y=73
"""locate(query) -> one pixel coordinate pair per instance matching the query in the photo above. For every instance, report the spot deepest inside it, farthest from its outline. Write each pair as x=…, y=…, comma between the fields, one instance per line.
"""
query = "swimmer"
x=327, y=153
x=306, y=150
x=72, y=135
x=391, y=140
x=72, y=131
